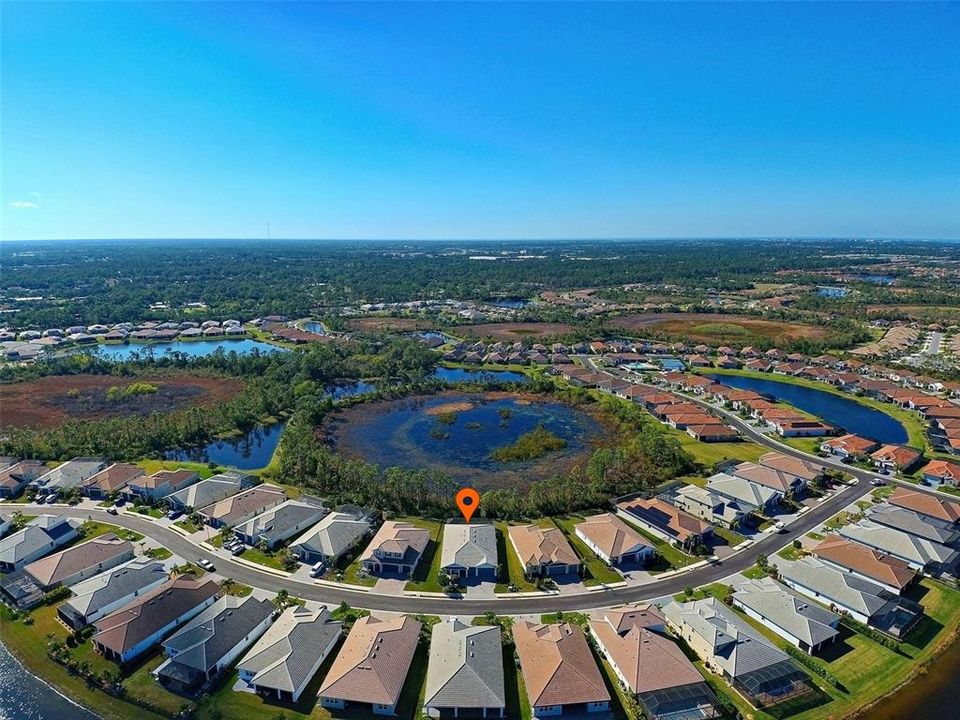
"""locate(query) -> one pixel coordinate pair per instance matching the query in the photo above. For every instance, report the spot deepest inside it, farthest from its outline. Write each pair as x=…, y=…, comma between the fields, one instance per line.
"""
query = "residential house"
x=897, y=458
x=288, y=655
x=206, y=645
x=465, y=671
x=210, y=491
x=708, y=506
x=40, y=536
x=781, y=481
x=280, y=523
x=941, y=472
x=128, y=632
x=159, y=485
x=730, y=647
x=14, y=478
x=712, y=432
x=748, y=496
x=852, y=446
x=803, y=624
x=67, y=476
x=919, y=553
x=652, y=666
x=559, y=672
x=396, y=548
x=865, y=601
x=665, y=521
x=806, y=471
x=892, y=574
x=100, y=595
x=25, y=588
x=244, y=506
x=469, y=551
x=331, y=538
x=372, y=665
x=926, y=503
x=913, y=523
x=614, y=542
x=109, y=480
x=543, y=551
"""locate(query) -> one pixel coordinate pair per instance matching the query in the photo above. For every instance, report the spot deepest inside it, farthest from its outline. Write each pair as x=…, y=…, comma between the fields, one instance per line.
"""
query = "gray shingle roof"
x=276, y=523
x=787, y=610
x=469, y=546
x=286, y=654
x=835, y=586
x=203, y=641
x=41, y=531
x=113, y=585
x=333, y=534
x=911, y=548
x=737, y=647
x=923, y=526
x=206, y=492
x=466, y=667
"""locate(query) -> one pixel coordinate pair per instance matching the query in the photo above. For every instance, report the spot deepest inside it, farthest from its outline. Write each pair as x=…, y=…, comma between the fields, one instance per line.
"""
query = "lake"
x=250, y=452
x=190, y=348
x=25, y=697
x=481, y=376
x=411, y=433
x=315, y=326
x=510, y=303
x=834, y=409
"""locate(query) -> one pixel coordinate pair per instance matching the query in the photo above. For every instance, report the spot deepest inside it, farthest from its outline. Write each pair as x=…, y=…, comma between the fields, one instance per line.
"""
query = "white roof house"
x=284, y=661
x=469, y=550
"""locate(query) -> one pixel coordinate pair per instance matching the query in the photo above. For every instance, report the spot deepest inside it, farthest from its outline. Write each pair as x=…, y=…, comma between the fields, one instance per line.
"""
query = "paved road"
x=247, y=575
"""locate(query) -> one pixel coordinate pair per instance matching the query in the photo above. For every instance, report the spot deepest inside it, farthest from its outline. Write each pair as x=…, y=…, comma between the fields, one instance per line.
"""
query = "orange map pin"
x=468, y=500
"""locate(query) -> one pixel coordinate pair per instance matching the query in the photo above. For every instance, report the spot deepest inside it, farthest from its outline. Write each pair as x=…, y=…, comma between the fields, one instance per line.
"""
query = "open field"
x=389, y=324
x=715, y=327
x=515, y=331
x=49, y=401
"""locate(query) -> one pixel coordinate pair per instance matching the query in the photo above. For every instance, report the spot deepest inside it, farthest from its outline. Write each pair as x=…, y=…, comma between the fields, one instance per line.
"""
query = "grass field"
x=716, y=327
x=428, y=569
x=513, y=566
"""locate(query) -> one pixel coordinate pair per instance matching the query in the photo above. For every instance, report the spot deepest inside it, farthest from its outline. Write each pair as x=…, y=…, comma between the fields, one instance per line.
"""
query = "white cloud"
x=24, y=205
x=34, y=193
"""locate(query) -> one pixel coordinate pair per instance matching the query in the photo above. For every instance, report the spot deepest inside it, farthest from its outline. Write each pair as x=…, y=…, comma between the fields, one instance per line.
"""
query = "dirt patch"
x=715, y=327
x=516, y=331
x=389, y=324
x=451, y=407
x=50, y=401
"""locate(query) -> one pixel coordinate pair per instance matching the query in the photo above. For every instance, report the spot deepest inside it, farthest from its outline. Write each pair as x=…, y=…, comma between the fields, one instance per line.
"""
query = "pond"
x=24, y=696
x=510, y=303
x=250, y=452
x=455, y=433
x=480, y=376
x=191, y=348
x=315, y=326
x=832, y=292
x=834, y=409
x=349, y=388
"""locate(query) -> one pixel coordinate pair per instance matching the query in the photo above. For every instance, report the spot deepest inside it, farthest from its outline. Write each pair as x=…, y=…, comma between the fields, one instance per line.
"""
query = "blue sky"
x=479, y=121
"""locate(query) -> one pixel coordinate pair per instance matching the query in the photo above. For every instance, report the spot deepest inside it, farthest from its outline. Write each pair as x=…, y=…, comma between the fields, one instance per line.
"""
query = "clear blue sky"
x=480, y=121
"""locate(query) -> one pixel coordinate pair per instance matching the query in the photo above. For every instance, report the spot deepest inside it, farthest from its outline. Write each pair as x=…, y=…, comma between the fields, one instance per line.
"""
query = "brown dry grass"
x=713, y=327
x=515, y=331
x=50, y=401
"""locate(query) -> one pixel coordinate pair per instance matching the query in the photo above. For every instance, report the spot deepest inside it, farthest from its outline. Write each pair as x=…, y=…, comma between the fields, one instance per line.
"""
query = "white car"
x=206, y=565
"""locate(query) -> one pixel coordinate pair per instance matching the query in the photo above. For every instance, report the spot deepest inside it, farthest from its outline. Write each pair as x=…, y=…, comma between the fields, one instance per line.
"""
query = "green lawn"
x=428, y=569
x=717, y=590
x=268, y=559
x=202, y=469
x=29, y=644
x=514, y=568
x=672, y=557
x=790, y=552
x=596, y=571
x=709, y=454
x=92, y=529
x=187, y=525
x=160, y=553
x=731, y=537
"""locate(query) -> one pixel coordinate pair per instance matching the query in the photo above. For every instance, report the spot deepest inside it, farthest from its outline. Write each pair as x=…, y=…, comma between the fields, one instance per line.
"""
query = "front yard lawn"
x=596, y=571
x=510, y=560
x=426, y=574
x=673, y=558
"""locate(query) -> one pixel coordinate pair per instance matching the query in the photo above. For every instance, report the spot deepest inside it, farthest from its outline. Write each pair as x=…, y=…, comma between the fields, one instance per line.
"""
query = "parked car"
x=112, y=511
x=238, y=549
x=878, y=482
x=206, y=565
x=174, y=514
x=317, y=569
x=120, y=502
x=779, y=527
